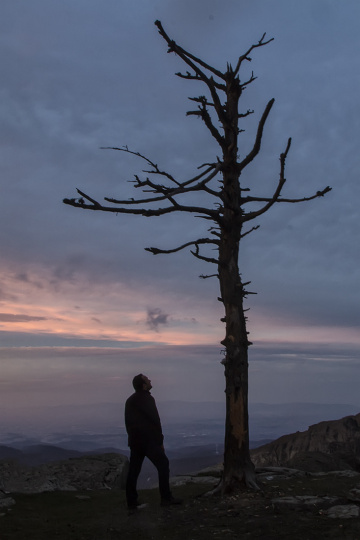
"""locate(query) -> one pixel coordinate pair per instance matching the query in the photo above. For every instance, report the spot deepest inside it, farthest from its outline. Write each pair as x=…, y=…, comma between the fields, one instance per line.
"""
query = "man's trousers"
x=157, y=456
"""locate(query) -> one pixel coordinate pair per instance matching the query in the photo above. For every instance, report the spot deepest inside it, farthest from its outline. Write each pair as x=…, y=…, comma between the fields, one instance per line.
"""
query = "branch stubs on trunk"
x=237, y=464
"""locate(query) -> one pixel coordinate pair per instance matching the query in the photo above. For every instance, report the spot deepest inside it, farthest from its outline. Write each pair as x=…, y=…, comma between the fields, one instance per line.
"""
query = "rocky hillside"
x=331, y=445
x=105, y=471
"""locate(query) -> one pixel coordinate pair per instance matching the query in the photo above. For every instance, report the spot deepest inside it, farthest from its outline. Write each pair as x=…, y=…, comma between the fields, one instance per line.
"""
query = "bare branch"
x=173, y=47
x=304, y=199
x=157, y=251
x=202, y=257
x=192, y=61
x=282, y=200
x=151, y=163
x=201, y=99
x=206, y=213
x=249, y=81
x=204, y=115
x=256, y=148
x=250, y=231
x=202, y=276
x=244, y=115
x=191, y=77
x=188, y=75
x=211, y=166
x=276, y=195
x=93, y=202
x=261, y=43
x=169, y=193
x=196, y=243
x=245, y=293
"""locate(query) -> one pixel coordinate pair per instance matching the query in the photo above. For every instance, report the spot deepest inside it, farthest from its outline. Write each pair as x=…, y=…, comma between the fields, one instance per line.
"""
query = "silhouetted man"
x=144, y=430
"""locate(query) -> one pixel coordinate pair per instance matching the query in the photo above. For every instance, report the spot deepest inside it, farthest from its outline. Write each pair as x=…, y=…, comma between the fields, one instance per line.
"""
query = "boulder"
x=303, y=502
x=354, y=494
x=5, y=500
x=343, y=511
x=185, y=479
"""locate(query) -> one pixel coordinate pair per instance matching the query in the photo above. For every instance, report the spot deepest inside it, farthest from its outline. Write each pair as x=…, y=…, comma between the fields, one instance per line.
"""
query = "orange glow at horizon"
x=77, y=308
x=98, y=312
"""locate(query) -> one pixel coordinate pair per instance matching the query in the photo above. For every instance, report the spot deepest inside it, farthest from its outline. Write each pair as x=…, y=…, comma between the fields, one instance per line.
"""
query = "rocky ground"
x=82, y=473
x=292, y=505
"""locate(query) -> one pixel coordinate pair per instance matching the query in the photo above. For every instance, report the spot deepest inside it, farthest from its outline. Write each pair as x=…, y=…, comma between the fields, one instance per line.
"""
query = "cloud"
x=66, y=91
x=12, y=318
x=6, y=297
x=156, y=318
x=90, y=307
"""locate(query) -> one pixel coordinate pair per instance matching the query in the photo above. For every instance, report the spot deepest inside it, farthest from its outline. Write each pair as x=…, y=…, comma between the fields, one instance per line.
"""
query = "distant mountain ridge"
x=40, y=454
x=325, y=446
x=328, y=445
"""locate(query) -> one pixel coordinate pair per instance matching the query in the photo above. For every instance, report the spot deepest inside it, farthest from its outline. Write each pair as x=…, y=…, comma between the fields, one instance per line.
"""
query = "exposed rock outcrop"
x=332, y=445
x=5, y=501
x=105, y=471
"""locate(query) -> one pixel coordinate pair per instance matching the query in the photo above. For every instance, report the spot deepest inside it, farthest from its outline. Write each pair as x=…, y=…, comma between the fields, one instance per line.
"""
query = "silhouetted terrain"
x=326, y=446
x=292, y=503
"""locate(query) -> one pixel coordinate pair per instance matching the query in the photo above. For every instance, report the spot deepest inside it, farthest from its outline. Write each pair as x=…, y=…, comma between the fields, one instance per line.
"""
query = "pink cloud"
x=114, y=311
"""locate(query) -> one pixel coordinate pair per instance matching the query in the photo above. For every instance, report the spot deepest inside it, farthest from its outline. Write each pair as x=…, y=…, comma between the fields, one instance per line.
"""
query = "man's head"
x=141, y=382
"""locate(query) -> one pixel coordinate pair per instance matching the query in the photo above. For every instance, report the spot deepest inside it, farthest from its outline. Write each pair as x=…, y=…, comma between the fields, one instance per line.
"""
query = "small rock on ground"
x=343, y=511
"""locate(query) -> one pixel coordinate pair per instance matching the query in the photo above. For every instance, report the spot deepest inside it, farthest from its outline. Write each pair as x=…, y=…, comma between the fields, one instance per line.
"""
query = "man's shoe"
x=170, y=502
x=138, y=506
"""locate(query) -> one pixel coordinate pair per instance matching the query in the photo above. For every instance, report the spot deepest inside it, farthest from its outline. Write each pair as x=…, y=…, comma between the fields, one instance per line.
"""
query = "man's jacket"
x=142, y=420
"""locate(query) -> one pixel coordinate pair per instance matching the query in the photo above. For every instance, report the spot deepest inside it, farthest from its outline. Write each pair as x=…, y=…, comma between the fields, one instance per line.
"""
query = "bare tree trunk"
x=237, y=463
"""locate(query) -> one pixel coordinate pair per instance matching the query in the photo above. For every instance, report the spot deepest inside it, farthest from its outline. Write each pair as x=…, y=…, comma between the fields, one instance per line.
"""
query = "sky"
x=83, y=307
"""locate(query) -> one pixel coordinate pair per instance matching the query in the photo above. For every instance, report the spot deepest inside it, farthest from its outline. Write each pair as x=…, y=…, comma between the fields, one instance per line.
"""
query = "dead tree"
x=228, y=216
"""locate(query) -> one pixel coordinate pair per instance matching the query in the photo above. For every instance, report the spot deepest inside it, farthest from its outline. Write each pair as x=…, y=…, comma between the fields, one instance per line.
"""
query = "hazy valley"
x=193, y=431
x=89, y=427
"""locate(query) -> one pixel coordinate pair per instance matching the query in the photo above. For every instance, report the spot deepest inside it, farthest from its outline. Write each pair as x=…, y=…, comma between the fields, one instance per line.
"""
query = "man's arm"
x=150, y=410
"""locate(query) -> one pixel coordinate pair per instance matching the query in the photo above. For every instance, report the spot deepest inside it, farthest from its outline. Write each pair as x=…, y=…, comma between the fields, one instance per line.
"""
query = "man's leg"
x=157, y=456
x=137, y=456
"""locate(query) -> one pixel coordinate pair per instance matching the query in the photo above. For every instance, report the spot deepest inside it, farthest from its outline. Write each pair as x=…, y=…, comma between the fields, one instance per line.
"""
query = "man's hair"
x=138, y=381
